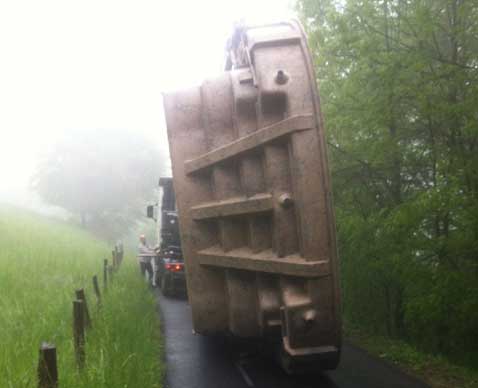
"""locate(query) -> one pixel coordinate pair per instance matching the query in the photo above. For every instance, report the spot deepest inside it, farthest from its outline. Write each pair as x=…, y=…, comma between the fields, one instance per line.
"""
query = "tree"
x=398, y=84
x=102, y=177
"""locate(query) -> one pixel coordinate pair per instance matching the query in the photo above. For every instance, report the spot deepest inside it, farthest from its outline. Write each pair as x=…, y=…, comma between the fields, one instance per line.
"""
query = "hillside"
x=42, y=262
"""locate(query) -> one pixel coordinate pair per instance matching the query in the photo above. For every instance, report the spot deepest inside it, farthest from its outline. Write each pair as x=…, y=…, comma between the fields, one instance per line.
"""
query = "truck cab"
x=169, y=262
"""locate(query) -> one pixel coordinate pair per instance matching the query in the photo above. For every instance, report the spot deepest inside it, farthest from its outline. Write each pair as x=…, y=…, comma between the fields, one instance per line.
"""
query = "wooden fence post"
x=47, y=367
x=80, y=295
x=105, y=274
x=110, y=272
x=96, y=287
x=79, y=332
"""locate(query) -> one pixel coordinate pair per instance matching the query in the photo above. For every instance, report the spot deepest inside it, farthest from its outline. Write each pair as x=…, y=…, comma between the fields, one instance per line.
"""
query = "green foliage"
x=102, y=177
x=399, y=91
x=436, y=371
x=41, y=264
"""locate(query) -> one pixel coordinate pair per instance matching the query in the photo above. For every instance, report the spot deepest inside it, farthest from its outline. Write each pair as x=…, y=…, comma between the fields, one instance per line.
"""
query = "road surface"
x=194, y=361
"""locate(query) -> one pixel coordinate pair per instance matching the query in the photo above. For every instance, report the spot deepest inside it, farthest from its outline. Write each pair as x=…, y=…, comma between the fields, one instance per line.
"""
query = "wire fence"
x=82, y=322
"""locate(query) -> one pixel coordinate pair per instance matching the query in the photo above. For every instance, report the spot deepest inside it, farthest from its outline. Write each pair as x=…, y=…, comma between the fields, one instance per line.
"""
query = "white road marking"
x=244, y=375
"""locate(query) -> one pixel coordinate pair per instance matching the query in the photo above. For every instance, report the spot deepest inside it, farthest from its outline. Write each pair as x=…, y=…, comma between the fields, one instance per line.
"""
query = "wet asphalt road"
x=194, y=361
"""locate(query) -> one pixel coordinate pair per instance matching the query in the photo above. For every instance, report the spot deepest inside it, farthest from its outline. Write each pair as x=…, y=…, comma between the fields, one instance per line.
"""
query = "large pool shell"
x=254, y=200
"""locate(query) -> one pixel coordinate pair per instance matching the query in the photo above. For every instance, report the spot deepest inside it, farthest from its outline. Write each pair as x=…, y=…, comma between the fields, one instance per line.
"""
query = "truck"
x=168, y=263
x=256, y=220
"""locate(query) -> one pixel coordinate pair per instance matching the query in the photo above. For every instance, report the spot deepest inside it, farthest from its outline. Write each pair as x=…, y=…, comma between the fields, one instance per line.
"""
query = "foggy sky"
x=102, y=64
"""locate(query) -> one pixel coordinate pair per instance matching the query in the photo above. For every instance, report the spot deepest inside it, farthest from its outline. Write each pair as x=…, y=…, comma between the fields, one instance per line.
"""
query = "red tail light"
x=174, y=267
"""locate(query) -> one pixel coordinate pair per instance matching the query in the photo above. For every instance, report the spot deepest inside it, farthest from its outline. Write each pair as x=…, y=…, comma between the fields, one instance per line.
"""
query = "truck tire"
x=165, y=286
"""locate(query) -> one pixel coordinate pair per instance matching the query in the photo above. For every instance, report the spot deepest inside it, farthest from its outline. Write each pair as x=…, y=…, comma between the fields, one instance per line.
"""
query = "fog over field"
x=101, y=65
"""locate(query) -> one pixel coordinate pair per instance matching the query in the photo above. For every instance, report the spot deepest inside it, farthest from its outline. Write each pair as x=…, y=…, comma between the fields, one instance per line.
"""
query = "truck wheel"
x=165, y=286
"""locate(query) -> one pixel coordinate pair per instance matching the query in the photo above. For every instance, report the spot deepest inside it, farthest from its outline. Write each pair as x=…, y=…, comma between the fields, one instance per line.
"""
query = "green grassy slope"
x=42, y=262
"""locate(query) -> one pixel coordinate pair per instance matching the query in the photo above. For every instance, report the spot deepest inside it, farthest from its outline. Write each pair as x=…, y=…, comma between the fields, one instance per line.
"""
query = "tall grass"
x=41, y=264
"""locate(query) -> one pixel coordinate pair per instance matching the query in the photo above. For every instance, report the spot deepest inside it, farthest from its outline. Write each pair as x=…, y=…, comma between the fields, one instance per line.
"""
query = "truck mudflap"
x=254, y=199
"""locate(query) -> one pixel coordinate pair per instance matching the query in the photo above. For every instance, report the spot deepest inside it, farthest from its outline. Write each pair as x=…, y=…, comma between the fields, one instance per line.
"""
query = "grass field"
x=42, y=262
